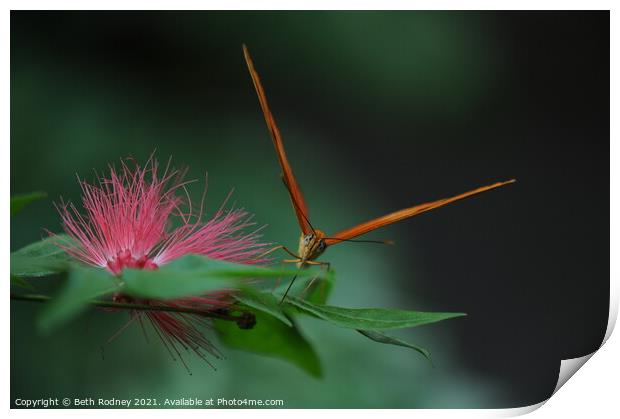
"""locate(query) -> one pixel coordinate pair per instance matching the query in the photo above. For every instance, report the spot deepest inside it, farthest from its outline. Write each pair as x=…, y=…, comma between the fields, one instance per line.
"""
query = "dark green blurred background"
x=379, y=110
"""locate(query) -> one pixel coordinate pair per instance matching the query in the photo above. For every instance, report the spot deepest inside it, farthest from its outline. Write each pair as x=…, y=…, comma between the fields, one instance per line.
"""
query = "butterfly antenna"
x=296, y=206
x=388, y=242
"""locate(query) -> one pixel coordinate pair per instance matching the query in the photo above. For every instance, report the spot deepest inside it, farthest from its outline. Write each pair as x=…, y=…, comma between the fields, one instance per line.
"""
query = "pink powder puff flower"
x=128, y=224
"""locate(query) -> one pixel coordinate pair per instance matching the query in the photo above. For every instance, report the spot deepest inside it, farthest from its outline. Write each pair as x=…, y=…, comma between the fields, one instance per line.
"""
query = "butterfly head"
x=311, y=245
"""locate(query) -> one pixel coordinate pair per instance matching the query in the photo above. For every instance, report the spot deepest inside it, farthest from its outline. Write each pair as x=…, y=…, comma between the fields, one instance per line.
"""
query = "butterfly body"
x=311, y=246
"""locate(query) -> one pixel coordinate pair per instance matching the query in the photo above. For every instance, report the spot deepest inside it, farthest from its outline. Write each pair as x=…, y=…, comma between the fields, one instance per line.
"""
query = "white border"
x=313, y=5
x=593, y=393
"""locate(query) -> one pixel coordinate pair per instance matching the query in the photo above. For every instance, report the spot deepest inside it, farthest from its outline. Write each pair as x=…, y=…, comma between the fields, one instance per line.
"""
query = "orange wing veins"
x=371, y=225
x=299, y=204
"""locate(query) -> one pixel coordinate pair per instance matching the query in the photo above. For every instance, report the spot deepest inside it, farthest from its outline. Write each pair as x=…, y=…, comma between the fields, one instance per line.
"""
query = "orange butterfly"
x=313, y=242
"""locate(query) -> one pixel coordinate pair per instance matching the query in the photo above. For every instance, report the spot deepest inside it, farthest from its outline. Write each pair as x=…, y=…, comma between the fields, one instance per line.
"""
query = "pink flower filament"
x=128, y=224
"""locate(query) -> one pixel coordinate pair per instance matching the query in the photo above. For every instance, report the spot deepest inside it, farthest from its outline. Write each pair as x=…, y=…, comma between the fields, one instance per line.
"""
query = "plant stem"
x=245, y=321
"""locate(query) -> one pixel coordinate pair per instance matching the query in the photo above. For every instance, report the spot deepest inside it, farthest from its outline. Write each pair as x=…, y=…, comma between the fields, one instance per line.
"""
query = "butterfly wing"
x=297, y=198
x=364, y=228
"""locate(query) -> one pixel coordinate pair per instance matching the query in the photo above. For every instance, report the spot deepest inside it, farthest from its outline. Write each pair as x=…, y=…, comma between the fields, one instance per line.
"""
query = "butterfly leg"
x=314, y=262
x=282, y=262
x=292, y=280
x=320, y=274
x=280, y=247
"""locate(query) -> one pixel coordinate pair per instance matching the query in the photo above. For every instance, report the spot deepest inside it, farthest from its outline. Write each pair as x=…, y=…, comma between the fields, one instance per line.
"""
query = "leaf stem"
x=245, y=321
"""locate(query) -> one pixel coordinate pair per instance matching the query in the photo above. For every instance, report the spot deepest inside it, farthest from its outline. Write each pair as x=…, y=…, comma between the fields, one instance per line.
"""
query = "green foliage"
x=191, y=275
x=82, y=285
x=271, y=337
x=322, y=288
x=41, y=258
x=21, y=282
x=18, y=202
x=275, y=333
x=317, y=292
x=390, y=340
x=369, y=318
x=264, y=302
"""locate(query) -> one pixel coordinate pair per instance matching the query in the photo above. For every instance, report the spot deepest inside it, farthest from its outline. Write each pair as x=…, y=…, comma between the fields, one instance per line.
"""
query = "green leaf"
x=83, y=285
x=264, y=302
x=18, y=202
x=322, y=288
x=271, y=337
x=318, y=292
x=41, y=258
x=390, y=340
x=369, y=318
x=191, y=275
x=21, y=282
